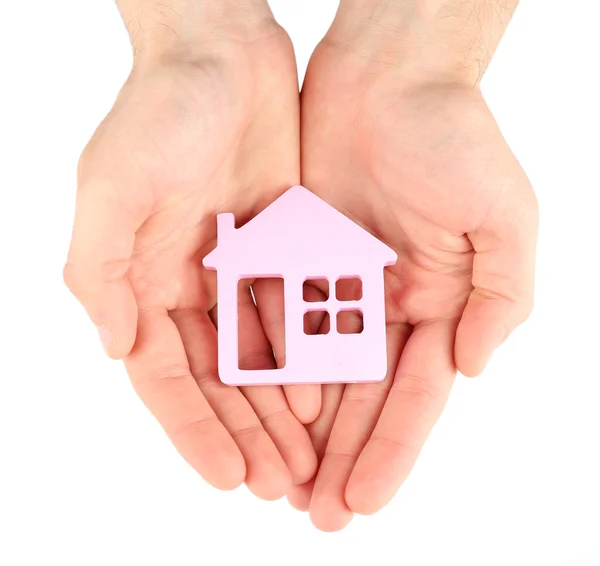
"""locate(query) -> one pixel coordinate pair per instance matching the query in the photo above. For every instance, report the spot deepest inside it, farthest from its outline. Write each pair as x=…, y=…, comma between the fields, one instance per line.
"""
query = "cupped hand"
x=188, y=137
x=423, y=166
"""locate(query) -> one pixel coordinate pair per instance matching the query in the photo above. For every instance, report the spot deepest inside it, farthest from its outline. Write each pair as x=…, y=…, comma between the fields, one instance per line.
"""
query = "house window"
x=254, y=351
x=348, y=289
x=339, y=312
x=317, y=322
x=315, y=290
x=350, y=322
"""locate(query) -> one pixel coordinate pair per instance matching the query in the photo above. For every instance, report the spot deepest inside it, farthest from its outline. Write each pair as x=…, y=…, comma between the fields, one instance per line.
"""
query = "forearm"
x=162, y=26
x=453, y=38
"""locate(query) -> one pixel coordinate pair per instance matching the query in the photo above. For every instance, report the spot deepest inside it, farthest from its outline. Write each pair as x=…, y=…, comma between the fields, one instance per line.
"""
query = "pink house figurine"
x=300, y=237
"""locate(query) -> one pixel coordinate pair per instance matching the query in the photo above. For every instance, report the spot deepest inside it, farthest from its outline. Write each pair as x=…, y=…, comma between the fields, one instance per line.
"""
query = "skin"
x=395, y=134
x=410, y=151
x=194, y=131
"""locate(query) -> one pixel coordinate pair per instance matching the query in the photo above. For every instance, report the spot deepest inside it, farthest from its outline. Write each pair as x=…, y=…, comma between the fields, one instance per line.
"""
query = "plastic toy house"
x=300, y=237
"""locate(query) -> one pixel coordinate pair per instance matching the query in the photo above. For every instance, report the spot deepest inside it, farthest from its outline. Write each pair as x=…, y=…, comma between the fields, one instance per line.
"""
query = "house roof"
x=301, y=225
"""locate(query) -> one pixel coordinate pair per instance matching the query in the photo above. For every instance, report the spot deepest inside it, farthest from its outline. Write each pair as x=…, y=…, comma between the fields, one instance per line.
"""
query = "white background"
x=511, y=474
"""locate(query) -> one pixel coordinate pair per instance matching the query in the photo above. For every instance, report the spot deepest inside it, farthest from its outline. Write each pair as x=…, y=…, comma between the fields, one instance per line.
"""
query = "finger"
x=96, y=269
x=162, y=378
x=269, y=402
x=267, y=475
x=355, y=420
x=304, y=400
x=503, y=281
x=419, y=392
x=300, y=495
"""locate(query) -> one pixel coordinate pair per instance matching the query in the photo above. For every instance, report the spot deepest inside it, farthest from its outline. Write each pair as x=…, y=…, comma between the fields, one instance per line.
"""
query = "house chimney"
x=225, y=225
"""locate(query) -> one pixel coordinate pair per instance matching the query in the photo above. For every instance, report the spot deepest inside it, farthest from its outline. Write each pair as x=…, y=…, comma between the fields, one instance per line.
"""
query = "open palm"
x=424, y=168
x=183, y=142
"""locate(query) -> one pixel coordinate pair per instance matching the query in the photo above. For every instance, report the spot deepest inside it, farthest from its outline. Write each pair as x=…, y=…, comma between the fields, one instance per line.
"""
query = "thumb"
x=503, y=281
x=97, y=265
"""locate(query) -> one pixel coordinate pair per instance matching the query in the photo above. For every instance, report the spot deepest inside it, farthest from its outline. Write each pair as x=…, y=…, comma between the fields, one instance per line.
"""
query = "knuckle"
x=93, y=176
x=208, y=379
x=527, y=307
x=533, y=201
x=371, y=393
x=83, y=166
x=176, y=375
x=256, y=360
x=251, y=429
x=530, y=208
x=401, y=444
x=280, y=415
x=193, y=428
x=75, y=278
x=417, y=386
x=91, y=276
x=522, y=303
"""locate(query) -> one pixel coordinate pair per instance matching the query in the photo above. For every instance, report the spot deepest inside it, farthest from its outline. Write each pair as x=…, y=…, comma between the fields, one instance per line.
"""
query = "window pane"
x=348, y=289
x=350, y=322
x=249, y=325
x=317, y=322
x=315, y=290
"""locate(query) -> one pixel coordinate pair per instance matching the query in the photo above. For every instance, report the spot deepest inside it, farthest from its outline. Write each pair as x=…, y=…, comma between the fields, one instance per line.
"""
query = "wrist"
x=183, y=29
x=427, y=40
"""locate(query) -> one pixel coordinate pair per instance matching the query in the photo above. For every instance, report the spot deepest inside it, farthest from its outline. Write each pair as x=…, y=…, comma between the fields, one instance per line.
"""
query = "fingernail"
x=105, y=336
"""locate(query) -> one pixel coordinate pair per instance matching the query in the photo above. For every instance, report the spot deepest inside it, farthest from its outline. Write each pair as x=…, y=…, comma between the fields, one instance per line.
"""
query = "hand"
x=422, y=165
x=196, y=130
